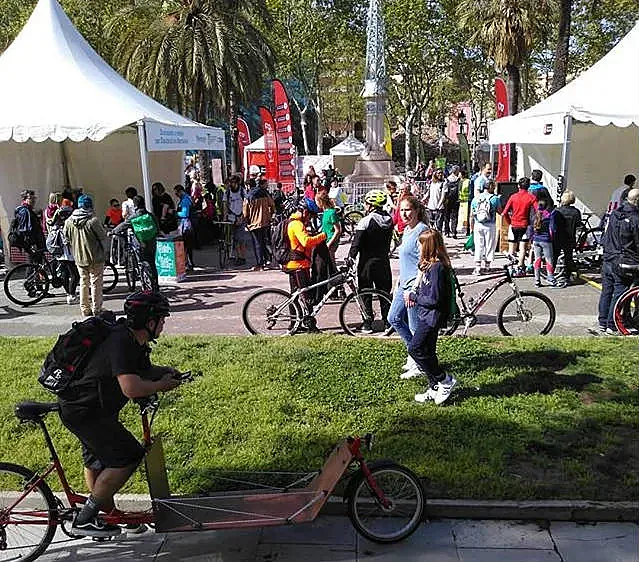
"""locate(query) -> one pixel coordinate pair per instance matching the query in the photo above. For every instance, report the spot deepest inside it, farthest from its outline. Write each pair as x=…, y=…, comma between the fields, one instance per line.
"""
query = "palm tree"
x=560, y=69
x=201, y=57
x=507, y=30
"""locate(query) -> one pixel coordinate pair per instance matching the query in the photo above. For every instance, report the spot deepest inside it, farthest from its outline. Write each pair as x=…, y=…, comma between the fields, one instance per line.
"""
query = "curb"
x=550, y=510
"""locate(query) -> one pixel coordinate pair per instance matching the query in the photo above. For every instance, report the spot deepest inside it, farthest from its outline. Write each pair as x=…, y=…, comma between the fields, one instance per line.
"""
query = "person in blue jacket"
x=185, y=226
x=431, y=294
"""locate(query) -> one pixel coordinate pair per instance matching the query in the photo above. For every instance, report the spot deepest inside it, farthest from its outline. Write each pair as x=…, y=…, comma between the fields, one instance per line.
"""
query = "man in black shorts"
x=119, y=369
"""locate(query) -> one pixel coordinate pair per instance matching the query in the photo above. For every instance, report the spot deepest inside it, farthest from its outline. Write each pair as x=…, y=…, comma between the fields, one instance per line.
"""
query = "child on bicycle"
x=431, y=294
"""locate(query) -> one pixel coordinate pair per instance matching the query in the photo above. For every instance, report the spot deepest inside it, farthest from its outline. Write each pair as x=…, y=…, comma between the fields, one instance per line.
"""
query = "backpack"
x=281, y=245
x=144, y=227
x=70, y=354
x=483, y=212
x=452, y=190
x=19, y=229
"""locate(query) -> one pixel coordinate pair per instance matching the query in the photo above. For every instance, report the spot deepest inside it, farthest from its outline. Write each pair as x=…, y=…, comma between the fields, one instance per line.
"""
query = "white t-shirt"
x=615, y=200
x=234, y=200
x=436, y=196
x=128, y=208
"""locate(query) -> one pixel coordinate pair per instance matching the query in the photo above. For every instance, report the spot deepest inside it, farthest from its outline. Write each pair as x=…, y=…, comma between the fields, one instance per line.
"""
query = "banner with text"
x=270, y=144
x=284, y=133
x=160, y=137
x=502, y=110
x=243, y=140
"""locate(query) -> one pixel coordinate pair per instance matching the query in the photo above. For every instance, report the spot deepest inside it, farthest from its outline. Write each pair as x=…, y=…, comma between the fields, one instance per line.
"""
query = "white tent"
x=349, y=146
x=57, y=89
x=586, y=132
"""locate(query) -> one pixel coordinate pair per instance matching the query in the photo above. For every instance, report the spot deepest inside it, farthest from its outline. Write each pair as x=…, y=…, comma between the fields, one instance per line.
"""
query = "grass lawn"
x=530, y=419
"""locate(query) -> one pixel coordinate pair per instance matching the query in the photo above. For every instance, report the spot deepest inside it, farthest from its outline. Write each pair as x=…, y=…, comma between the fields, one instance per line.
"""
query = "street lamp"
x=461, y=120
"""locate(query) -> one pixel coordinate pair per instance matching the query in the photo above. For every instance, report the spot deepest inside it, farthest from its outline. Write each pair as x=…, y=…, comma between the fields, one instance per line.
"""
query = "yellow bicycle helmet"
x=375, y=197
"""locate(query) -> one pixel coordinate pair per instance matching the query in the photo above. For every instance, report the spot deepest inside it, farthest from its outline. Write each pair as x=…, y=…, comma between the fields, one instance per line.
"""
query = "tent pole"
x=144, y=161
x=565, y=156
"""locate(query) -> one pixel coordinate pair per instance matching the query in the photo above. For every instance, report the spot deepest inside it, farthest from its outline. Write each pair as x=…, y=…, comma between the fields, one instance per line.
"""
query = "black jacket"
x=621, y=241
x=372, y=237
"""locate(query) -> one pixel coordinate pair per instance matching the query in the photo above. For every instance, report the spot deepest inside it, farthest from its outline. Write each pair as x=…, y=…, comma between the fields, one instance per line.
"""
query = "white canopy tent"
x=586, y=132
x=57, y=89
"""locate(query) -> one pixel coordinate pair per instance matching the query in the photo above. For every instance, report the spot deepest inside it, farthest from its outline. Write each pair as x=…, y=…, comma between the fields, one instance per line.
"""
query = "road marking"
x=590, y=281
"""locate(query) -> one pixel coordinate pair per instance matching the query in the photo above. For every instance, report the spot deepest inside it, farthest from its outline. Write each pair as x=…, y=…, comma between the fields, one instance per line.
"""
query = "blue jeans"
x=612, y=286
x=403, y=319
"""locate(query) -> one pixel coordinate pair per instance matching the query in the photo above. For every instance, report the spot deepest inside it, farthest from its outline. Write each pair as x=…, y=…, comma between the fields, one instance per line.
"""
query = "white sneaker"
x=426, y=396
x=477, y=271
x=410, y=364
x=411, y=374
x=444, y=389
x=72, y=299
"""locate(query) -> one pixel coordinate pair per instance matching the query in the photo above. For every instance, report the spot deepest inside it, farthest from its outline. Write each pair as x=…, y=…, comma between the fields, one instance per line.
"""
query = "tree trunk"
x=233, y=136
x=200, y=116
x=560, y=68
x=408, y=137
x=303, y=124
x=320, y=136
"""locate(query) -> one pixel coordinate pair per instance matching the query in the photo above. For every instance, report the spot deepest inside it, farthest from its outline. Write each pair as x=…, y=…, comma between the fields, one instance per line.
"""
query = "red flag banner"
x=243, y=140
x=270, y=144
x=284, y=132
x=502, y=109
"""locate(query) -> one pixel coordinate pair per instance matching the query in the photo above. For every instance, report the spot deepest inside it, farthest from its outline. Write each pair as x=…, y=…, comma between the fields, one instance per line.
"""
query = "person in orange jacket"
x=299, y=266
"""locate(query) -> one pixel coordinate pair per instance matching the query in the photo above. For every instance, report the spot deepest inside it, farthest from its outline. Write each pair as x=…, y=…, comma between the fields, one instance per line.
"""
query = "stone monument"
x=374, y=165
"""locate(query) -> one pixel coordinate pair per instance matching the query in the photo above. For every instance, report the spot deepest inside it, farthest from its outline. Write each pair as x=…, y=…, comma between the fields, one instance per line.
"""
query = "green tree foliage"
x=508, y=31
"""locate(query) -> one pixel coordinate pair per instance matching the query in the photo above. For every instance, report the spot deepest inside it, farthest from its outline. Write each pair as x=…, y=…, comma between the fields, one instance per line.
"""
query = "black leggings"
x=70, y=276
x=375, y=272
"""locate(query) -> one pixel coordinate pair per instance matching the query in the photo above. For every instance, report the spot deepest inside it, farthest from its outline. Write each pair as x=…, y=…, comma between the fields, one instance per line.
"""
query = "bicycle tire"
x=590, y=239
x=223, y=254
x=146, y=277
x=110, y=277
x=401, y=518
x=350, y=222
x=131, y=271
x=28, y=544
x=26, y=284
x=626, y=312
x=260, y=316
x=352, y=313
x=525, y=316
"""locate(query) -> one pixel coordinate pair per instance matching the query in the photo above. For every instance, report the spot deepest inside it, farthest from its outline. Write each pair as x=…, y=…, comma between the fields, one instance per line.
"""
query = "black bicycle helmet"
x=142, y=306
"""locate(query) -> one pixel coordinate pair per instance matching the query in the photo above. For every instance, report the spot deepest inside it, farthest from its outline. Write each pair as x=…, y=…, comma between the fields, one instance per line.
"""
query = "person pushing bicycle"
x=118, y=370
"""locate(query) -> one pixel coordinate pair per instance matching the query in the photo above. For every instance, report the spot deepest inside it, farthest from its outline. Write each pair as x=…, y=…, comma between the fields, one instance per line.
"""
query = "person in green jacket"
x=87, y=237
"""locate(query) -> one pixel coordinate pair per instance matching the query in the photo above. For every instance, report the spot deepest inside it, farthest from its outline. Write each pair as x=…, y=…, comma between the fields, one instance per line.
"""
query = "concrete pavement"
x=333, y=539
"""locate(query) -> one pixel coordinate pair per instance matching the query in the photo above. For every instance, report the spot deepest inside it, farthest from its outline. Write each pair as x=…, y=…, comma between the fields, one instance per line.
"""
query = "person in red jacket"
x=517, y=213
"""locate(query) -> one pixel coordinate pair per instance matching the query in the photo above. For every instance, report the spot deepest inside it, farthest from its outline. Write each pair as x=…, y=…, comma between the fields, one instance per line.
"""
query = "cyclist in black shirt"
x=120, y=369
x=371, y=242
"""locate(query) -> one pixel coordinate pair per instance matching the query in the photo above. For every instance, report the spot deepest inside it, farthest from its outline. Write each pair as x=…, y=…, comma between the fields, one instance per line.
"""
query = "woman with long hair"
x=431, y=296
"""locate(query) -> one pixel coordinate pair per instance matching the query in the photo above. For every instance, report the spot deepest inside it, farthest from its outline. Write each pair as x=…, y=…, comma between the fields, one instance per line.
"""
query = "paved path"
x=210, y=302
x=333, y=539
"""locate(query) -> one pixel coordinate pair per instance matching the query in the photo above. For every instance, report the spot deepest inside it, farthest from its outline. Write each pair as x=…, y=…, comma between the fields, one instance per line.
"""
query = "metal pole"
x=144, y=161
x=565, y=156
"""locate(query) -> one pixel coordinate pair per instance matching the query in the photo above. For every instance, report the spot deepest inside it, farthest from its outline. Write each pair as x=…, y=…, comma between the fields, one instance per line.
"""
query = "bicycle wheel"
x=271, y=312
x=110, y=279
x=146, y=277
x=350, y=222
x=223, y=253
x=395, y=522
x=528, y=314
x=590, y=239
x=453, y=322
x=365, y=313
x=626, y=312
x=27, y=283
x=26, y=529
x=131, y=271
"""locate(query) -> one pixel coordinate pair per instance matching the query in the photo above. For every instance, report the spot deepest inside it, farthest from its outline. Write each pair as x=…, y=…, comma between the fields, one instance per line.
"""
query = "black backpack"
x=452, y=192
x=281, y=245
x=70, y=354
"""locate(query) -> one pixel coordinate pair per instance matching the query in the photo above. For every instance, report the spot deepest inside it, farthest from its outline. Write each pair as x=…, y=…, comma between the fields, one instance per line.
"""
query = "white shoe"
x=444, y=389
x=410, y=364
x=72, y=299
x=477, y=271
x=426, y=396
x=411, y=374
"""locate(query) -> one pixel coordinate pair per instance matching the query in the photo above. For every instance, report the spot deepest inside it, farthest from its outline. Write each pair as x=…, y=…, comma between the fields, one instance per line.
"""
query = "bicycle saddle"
x=34, y=410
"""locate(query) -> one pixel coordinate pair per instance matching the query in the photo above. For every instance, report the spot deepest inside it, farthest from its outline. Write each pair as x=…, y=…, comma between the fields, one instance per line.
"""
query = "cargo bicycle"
x=385, y=500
